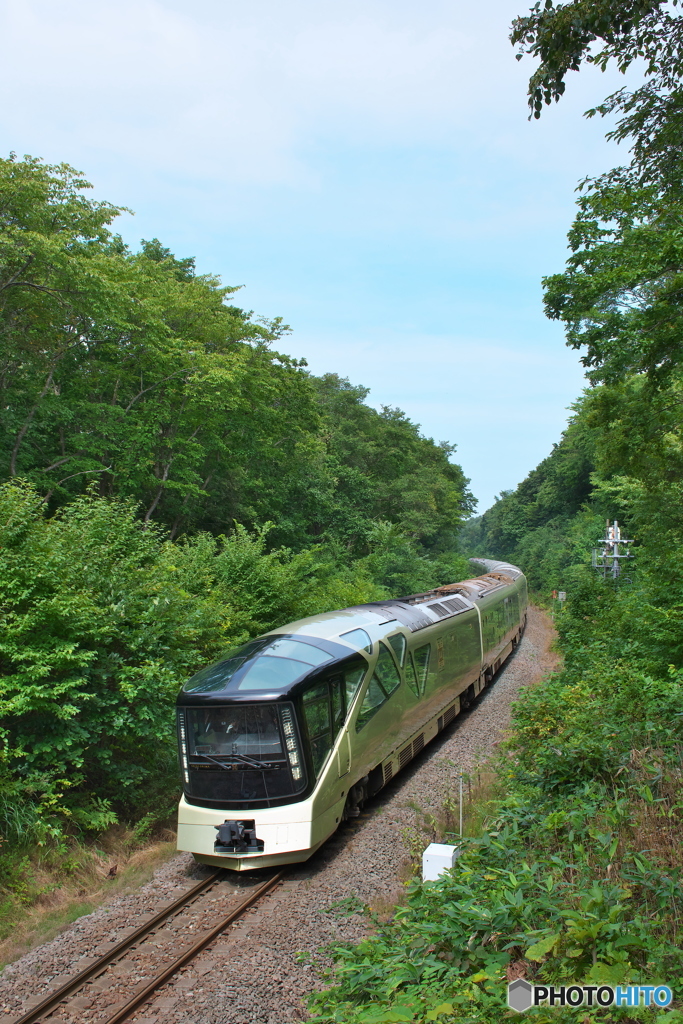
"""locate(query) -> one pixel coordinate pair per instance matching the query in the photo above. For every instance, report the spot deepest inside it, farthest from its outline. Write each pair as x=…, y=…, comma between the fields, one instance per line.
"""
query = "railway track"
x=94, y=993
x=254, y=972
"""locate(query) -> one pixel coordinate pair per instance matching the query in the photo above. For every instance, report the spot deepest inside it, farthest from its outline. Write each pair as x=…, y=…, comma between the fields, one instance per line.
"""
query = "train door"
x=324, y=707
x=465, y=660
x=344, y=755
x=375, y=725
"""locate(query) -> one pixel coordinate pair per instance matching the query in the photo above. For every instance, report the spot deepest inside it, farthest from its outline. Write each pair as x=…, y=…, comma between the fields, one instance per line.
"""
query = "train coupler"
x=237, y=837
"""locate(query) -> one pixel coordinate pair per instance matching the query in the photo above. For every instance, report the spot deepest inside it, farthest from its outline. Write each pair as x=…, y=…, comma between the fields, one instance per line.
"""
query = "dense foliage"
x=170, y=485
x=101, y=620
x=552, y=520
x=131, y=370
x=577, y=876
x=619, y=299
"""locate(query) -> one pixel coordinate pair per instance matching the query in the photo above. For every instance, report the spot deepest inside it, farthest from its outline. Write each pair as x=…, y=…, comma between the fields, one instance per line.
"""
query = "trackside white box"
x=437, y=858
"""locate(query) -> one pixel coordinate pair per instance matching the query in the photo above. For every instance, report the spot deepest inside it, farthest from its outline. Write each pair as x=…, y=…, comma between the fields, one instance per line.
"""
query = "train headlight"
x=291, y=744
x=183, y=747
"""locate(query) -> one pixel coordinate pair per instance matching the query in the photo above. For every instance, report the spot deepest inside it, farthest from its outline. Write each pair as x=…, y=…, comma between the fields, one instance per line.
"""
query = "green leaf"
x=539, y=949
x=607, y=974
x=438, y=1010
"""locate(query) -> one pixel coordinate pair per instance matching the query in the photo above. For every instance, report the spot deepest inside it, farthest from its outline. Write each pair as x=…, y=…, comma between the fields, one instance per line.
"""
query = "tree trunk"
x=27, y=423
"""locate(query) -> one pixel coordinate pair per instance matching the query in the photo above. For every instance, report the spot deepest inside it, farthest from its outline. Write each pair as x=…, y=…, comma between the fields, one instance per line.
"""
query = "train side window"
x=411, y=677
x=319, y=724
x=421, y=658
x=353, y=677
x=372, y=702
x=338, y=709
x=398, y=643
x=385, y=679
x=358, y=638
x=386, y=671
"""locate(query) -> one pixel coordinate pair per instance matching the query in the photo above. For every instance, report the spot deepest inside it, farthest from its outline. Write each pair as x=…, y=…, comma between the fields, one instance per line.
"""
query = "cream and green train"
x=284, y=737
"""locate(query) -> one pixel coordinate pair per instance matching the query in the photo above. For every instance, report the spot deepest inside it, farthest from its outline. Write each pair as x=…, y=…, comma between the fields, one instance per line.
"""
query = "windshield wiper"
x=240, y=758
x=245, y=759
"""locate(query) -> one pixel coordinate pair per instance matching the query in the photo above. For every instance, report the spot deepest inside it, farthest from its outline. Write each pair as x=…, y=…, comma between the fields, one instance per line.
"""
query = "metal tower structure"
x=608, y=559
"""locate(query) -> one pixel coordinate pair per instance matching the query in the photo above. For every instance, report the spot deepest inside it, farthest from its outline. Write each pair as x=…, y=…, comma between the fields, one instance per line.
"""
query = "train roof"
x=416, y=611
x=339, y=635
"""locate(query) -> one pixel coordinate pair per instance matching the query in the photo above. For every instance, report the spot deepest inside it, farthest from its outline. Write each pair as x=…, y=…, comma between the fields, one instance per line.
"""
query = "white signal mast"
x=608, y=560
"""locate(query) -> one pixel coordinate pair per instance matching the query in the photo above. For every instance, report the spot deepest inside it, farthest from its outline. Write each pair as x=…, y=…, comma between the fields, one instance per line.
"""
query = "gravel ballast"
x=255, y=974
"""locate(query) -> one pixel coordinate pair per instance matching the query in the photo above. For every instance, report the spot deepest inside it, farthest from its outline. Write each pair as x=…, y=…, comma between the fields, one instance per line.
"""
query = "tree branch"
x=152, y=386
x=150, y=510
x=82, y=472
x=29, y=284
x=152, y=507
x=59, y=462
x=21, y=270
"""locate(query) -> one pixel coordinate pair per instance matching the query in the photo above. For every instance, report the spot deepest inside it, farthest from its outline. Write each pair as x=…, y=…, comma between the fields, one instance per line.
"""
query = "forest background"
x=172, y=485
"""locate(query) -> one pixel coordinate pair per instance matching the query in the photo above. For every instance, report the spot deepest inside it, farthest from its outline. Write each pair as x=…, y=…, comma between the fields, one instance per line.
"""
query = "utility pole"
x=608, y=560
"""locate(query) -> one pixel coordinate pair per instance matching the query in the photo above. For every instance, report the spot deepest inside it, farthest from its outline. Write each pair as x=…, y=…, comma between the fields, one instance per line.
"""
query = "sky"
x=366, y=171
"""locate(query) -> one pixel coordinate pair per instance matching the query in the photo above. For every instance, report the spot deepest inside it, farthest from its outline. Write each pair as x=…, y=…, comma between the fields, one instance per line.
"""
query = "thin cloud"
x=368, y=171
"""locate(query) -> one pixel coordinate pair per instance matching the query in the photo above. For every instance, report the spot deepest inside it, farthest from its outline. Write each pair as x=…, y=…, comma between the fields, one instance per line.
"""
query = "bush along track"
x=575, y=879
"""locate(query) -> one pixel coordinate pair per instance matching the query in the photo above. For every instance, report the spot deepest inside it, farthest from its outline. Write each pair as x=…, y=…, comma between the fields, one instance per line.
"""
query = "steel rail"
x=135, y=1001
x=50, y=1001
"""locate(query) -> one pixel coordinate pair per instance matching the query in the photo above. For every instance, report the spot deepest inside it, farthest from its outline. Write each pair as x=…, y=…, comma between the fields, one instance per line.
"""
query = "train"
x=283, y=738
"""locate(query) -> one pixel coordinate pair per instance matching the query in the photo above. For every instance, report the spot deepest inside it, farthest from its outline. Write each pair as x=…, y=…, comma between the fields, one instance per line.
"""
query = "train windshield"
x=271, y=663
x=241, y=753
x=245, y=729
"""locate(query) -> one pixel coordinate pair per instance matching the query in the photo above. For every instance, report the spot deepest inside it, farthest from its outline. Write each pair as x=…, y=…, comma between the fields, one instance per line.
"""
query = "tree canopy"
x=564, y=36
x=620, y=295
x=131, y=370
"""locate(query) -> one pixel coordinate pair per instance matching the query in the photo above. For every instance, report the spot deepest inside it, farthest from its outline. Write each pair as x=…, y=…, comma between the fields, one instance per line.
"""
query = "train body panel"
x=285, y=832
x=274, y=766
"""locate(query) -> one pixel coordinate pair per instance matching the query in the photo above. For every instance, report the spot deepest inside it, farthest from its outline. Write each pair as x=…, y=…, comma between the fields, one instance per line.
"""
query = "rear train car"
x=284, y=737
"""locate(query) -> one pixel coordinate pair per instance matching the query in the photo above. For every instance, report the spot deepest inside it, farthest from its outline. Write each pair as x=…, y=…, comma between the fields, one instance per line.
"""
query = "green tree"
x=384, y=469
x=564, y=36
x=619, y=297
x=620, y=294
x=173, y=485
x=536, y=525
x=131, y=369
x=102, y=618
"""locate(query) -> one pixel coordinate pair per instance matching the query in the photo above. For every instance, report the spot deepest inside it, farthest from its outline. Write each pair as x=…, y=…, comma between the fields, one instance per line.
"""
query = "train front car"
x=282, y=738
x=254, y=731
